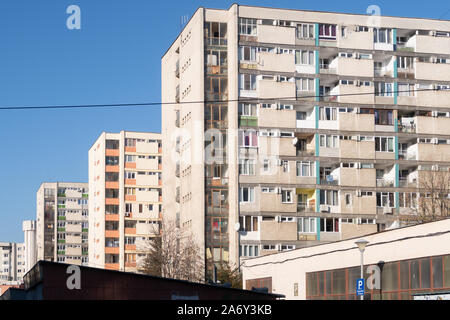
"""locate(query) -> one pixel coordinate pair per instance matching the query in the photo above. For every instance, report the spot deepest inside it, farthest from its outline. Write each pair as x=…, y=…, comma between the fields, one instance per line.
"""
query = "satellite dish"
x=237, y=226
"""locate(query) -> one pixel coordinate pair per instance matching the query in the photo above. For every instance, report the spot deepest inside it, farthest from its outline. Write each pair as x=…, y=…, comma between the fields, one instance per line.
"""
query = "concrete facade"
x=62, y=213
x=125, y=191
x=308, y=117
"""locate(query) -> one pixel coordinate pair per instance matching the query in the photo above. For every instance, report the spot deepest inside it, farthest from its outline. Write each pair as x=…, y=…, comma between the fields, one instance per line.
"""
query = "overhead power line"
x=241, y=99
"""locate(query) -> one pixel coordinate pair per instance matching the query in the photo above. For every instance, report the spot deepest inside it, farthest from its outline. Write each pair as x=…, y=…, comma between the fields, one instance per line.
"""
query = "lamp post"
x=362, y=243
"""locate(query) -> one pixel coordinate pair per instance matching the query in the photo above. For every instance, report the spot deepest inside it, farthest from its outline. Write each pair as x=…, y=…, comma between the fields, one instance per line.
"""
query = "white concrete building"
x=412, y=261
x=286, y=128
x=62, y=213
x=12, y=263
x=29, y=230
x=125, y=198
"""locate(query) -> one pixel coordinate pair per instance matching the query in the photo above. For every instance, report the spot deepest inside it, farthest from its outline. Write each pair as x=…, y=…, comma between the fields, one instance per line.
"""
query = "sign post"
x=360, y=287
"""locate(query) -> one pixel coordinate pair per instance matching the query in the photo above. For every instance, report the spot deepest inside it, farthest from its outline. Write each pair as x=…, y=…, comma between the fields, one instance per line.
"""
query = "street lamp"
x=362, y=243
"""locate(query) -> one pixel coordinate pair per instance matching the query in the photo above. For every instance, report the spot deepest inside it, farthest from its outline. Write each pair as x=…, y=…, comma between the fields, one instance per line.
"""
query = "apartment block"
x=314, y=126
x=12, y=263
x=29, y=230
x=62, y=222
x=125, y=198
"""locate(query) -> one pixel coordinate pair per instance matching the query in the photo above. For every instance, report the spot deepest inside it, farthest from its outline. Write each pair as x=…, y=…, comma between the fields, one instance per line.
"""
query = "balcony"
x=248, y=121
x=303, y=207
x=276, y=34
x=433, y=71
x=407, y=183
x=385, y=183
x=280, y=62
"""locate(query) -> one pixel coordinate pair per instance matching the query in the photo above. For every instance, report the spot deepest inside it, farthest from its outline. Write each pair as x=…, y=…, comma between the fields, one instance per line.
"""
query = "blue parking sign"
x=360, y=287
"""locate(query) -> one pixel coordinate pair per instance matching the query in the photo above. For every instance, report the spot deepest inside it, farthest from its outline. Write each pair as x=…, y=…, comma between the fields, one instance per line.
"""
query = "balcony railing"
x=303, y=207
x=404, y=183
x=408, y=128
x=385, y=183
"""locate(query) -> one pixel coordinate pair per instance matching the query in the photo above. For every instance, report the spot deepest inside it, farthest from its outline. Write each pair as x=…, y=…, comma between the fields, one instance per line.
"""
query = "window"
x=306, y=225
x=346, y=82
x=405, y=62
x=248, y=138
x=406, y=89
x=305, y=31
x=130, y=158
x=247, y=109
x=248, y=223
x=130, y=175
x=247, y=82
x=329, y=225
x=287, y=219
x=304, y=84
x=328, y=113
x=305, y=169
x=362, y=29
x=112, y=161
x=286, y=247
x=384, y=117
x=383, y=89
x=329, y=197
x=385, y=199
x=247, y=26
x=384, y=144
x=266, y=164
x=247, y=53
x=345, y=54
x=249, y=251
x=382, y=35
x=304, y=57
x=286, y=196
x=130, y=142
x=247, y=166
x=328, y=141
x=247, y=194
x=327, y=31
x=285, y=165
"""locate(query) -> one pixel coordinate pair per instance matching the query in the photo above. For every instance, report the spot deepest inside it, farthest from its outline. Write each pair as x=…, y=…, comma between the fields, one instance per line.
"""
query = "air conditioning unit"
x=278, y=218
x=387, y=210
x=259, y=21
x=127, y=214
x=278, y=190
x=279, y=162
x=358, y=193
x=276, y=22
x=358, y=83
x=324, y=208
x=357, y=55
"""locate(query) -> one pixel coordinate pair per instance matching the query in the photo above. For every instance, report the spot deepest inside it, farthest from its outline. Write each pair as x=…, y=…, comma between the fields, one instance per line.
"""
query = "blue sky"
x=114, y=58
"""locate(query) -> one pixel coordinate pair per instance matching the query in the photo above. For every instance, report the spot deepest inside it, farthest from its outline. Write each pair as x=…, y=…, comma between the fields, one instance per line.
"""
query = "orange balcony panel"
x=160, y=182
x=112, y=217
x=112, y=152
x=130, y=230
x=112, y=233
x=111, y=201
x=112, y=184
x=160, y=198
x=159, y=166
x=112, y=169
x=131, y=247
x=130, y=264
x=112, y=250
x=130, y=197
x=130, y=149
x=112, y=266
x=131, y=165
x=159, y=150
x=130, y=181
